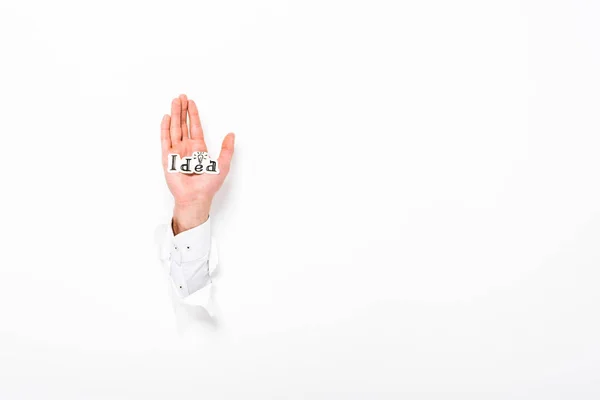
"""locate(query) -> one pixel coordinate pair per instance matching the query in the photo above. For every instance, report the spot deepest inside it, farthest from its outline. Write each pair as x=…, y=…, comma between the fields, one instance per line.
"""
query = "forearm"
x=188, y=216
x=189, y=253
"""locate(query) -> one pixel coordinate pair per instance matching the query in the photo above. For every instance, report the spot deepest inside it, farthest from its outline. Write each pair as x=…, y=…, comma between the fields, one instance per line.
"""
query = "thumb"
x=226, y=152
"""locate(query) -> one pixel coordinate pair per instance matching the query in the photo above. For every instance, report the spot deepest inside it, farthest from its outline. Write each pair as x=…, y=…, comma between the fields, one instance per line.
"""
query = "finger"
x=226, y=153
x=165, y=138
x=196, y=132
x=175, y=121
x=184, y=112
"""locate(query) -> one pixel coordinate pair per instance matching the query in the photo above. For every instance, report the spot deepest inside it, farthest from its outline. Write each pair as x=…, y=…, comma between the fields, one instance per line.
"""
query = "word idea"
x=198, y=163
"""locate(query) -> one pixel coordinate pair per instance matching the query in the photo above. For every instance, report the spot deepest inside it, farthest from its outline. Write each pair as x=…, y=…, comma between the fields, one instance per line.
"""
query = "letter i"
x=174, y=160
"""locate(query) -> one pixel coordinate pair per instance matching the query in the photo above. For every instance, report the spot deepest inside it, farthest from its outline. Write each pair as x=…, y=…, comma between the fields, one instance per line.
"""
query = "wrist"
x=189, y=215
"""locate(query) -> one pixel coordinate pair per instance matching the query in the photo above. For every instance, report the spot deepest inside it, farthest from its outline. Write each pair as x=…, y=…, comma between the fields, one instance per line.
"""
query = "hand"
x=193, y=193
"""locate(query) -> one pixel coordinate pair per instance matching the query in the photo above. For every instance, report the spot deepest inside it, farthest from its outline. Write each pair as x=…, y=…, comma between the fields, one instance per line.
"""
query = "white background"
x=413, y=210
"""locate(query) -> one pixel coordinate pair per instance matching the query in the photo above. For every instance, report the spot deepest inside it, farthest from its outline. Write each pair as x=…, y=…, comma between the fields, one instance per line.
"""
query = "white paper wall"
x=413, y=210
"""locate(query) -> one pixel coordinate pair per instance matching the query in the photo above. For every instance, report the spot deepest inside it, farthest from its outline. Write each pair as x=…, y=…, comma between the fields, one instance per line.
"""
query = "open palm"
x=179, y=137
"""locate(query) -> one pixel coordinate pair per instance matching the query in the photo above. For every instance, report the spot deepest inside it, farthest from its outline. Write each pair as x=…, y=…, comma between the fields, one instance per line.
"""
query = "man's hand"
x=193, y=193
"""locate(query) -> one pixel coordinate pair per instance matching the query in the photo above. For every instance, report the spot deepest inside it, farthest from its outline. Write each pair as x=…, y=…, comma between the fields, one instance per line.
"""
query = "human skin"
x=193, y=193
